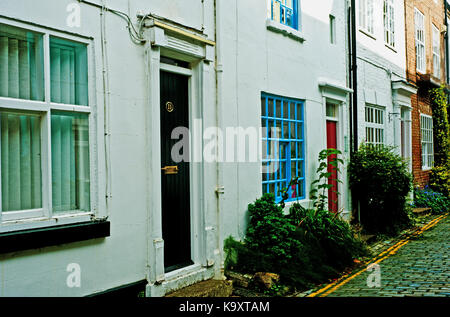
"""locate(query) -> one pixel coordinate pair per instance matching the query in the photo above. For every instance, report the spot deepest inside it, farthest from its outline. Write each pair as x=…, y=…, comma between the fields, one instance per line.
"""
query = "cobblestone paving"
x=419, y=268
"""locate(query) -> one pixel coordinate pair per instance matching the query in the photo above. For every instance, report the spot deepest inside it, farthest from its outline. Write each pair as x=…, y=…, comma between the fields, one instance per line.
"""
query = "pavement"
x=417, y=265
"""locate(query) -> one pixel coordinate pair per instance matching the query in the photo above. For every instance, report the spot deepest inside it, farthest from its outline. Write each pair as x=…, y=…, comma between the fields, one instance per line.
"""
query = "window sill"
x=367, y=33
x=36, y=238
x=390, y=47
x=285, y=30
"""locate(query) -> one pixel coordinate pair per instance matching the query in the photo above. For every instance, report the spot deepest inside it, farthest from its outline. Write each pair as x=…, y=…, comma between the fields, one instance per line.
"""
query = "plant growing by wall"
x=328, y=167
x=329, y=160
x=440, y=180
x=440, y=174
x=427, y=198
x=304, y=246
x=380, y=181
x=440, y=127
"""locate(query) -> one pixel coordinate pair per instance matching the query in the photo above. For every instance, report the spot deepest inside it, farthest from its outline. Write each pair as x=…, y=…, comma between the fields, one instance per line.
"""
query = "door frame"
x=339, y=141
x=203, y=225
x=337, y=93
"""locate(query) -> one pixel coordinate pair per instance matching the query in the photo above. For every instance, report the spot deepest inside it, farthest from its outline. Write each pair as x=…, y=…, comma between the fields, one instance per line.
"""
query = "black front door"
x=176, y=222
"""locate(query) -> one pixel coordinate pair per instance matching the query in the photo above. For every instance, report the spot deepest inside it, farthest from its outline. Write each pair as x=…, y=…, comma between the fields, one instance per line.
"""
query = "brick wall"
x=433, y=14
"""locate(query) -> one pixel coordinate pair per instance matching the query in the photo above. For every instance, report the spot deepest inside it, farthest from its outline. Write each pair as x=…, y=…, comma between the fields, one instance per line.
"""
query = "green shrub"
x=427, y=198
x=440, y=180
x=304, y=246
x=440, y=127
x=380, y=181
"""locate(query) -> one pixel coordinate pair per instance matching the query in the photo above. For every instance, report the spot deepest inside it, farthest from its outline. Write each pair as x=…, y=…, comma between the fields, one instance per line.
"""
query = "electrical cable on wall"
x=135, y=34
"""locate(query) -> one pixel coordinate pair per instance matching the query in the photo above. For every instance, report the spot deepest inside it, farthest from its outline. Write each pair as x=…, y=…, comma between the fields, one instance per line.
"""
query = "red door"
x=332, y=180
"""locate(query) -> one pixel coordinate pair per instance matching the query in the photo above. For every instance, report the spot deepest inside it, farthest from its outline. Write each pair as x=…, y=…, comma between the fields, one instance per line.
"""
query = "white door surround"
x=173, y=42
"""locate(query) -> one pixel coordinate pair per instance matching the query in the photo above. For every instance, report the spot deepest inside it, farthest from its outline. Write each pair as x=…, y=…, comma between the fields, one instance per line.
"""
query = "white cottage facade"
x=92, y=94
x=383, y=93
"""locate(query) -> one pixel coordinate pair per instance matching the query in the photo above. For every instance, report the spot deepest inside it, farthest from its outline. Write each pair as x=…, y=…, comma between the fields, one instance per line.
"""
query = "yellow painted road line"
x=377, y=259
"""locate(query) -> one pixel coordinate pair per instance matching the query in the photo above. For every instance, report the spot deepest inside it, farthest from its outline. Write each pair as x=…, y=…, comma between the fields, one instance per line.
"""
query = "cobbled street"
x=419, y=268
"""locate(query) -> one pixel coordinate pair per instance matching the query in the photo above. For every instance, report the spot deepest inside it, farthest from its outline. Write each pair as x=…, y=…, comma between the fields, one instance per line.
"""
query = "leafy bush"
x=440, y=127
x=440, y=180
x=304, y=246
x=427, y=198
x=380, y=181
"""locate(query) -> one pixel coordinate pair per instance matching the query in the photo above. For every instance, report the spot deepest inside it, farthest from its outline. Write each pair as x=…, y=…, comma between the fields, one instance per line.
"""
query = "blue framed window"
x=283, y=146
x=285, y=12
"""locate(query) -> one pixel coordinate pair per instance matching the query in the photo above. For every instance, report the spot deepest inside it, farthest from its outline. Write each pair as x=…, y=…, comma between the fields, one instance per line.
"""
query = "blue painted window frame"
x=288, y=115
x=294, y=11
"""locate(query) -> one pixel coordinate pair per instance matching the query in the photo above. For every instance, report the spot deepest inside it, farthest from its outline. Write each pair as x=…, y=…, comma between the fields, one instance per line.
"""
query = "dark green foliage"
x=440, y=180
x=440, y=127
x=304, y=246
x=427, y=198
x=440, y=175
x=328, y=161
x=380, y=181
x=270, y=230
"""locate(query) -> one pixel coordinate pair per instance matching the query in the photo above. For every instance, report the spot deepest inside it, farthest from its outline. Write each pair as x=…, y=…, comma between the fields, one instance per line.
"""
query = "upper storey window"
x=366, y=15
x=284, y=12
x=389, y=26
x=420, y=40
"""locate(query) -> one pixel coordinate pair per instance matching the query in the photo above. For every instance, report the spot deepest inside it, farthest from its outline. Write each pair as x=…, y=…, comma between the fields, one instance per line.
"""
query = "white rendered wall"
x=257, y=60
x=122, y=257
x=379, y=65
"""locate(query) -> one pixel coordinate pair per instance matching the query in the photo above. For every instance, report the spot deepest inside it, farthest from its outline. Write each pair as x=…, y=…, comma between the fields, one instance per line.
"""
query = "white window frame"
x=426, y=138
x=42, y=217
x=375, y=128
x=405, y=118
x=389, y=22
x=436, y=51
x=420, y=39
x=366, y=16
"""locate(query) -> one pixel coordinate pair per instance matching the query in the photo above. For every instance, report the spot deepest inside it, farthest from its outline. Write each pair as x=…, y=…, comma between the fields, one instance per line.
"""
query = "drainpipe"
x=349, y=74
x=446, y=43
x=219, y=103
x=353, y=81
x=354, y=77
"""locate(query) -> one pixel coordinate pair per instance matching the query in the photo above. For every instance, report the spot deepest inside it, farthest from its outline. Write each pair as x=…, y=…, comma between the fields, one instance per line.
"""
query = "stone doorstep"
x=209, y=288
x=368, y=238
x=421, y=211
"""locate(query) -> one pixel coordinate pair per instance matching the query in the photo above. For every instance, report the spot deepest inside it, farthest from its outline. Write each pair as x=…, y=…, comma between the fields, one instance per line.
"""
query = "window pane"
x=286, y=109
x=278, y=109
x=70, y=162
x=263, y=107
x=68, y=72
x=331, y=110
x=21, y=64
x=299, y=111
x=300, y=169
x=21, y=162
x=283, y=170
x=294, y=169
x=293, y=150
x=270, y=107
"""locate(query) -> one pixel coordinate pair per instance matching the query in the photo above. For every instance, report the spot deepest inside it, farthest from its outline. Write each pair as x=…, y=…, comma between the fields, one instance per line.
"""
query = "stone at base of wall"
x=209, y=288
x=179, y=279
x=154, y=290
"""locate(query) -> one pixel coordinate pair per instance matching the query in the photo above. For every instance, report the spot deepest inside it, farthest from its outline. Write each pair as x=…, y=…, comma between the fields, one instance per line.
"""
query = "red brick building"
x=425, y=68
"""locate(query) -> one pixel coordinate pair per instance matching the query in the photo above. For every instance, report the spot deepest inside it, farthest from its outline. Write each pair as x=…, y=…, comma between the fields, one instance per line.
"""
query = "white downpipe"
x=219, y=104
x=106, y=103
